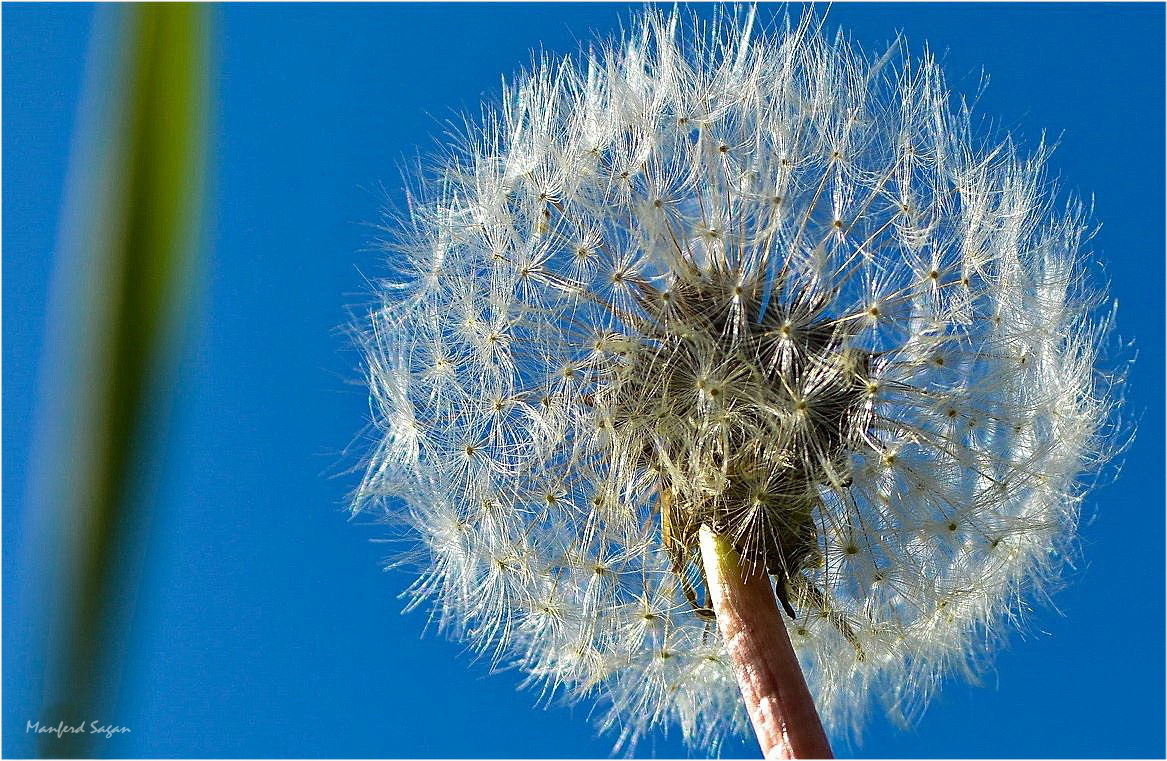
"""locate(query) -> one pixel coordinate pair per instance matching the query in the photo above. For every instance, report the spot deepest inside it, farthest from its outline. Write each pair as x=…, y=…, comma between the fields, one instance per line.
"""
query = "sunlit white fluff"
x=758, y=279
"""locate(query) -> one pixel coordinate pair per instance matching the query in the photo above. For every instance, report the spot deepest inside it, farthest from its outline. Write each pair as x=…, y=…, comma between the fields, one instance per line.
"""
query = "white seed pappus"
x=758, y=279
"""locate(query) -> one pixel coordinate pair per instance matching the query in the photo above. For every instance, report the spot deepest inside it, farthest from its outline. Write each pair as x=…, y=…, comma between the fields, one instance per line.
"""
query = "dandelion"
x=712, y=320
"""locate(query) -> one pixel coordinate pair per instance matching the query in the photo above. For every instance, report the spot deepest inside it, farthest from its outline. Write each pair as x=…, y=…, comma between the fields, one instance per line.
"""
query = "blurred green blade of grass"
x=144, y=235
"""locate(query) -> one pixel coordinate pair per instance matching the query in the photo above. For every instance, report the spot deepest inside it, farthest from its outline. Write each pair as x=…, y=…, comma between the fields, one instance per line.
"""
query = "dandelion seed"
x=752, y=291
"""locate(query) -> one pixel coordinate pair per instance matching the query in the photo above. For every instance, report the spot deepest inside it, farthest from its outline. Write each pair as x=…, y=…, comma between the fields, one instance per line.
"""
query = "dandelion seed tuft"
x=754, y=280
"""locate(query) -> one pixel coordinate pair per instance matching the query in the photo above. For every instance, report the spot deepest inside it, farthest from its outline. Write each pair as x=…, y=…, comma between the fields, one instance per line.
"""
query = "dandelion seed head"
x=758, y=280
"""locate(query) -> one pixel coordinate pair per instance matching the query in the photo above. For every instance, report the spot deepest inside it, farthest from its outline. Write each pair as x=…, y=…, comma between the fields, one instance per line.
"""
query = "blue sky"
x=263, y=624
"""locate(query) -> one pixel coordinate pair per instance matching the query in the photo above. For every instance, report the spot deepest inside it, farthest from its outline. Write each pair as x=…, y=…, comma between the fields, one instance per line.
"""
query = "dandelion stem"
x=777, y=699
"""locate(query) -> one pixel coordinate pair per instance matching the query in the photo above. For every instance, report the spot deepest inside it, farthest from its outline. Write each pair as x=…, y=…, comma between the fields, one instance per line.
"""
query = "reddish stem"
x=777, y=699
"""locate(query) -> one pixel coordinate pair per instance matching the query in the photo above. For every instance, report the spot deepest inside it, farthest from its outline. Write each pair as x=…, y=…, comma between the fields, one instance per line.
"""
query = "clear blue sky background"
x=263, y=624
